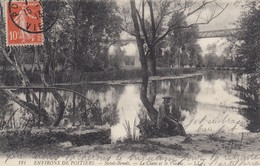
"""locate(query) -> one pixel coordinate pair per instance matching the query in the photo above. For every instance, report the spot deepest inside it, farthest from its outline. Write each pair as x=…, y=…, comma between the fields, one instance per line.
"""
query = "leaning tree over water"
x=150, y=26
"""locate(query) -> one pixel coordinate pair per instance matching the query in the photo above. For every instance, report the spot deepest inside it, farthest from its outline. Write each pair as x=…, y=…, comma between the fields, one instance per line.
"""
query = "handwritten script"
x=134, y=158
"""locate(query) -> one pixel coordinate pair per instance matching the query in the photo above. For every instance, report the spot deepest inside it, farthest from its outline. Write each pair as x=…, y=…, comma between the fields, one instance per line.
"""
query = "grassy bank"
x=221, y=149
x=120, y=74
x=10, y=77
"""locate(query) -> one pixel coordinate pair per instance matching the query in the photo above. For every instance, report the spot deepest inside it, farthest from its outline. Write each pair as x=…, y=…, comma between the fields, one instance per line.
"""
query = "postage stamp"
x=24, y=23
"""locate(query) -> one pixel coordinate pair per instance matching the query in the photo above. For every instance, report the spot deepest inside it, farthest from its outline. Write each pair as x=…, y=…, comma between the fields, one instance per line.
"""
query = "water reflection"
x=250, y=99
x=217, y=108
x=205, y=104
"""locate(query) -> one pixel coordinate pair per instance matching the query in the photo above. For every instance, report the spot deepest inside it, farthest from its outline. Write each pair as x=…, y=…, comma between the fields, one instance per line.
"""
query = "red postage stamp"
x=24, y=23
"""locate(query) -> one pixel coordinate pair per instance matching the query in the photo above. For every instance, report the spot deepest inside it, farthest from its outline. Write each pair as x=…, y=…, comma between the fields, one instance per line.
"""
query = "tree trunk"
x=33, y=109
x=152, y=92
x=61, y=107
x=57, y=96
x=153, y=62
x=152, y=113
x=152, y=56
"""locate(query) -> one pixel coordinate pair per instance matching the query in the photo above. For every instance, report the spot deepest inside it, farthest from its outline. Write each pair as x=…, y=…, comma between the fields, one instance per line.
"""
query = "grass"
x=130, y=136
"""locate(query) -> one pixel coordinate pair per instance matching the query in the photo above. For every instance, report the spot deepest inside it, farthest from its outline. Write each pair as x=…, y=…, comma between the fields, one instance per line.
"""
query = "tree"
x=96, y=25
x=248, y=47
x=211, y=59
x=195, y=55
x=248, y=50
x=16, y=59
x=154, y=25
x=183, y=42
x=250, y=99
x=149, y=37
x=228, y=56
x=83, y=33
x=77, y=40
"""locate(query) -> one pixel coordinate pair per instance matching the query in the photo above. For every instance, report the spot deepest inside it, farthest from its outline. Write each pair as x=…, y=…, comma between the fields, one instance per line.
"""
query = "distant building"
x=126, y=56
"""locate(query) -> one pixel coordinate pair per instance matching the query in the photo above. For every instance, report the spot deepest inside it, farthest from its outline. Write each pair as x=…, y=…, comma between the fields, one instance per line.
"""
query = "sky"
x=224, y=21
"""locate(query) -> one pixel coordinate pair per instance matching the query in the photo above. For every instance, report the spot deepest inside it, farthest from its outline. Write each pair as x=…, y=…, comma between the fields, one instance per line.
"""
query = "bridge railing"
x=202, y=34
x=218, y=33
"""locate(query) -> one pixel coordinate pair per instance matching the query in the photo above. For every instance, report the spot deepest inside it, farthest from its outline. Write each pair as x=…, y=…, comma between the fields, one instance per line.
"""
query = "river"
x=207, y=103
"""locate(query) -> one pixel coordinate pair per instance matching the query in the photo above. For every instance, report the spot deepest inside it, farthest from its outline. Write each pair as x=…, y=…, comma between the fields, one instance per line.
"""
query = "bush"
x=149, y=129
x=12, y=140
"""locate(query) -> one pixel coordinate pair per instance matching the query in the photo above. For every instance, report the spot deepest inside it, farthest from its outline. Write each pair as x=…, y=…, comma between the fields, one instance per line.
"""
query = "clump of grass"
x=147, y=128
x=130, y=136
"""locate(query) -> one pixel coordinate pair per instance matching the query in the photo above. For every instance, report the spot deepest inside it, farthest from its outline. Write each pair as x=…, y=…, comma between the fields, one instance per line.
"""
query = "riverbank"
x=133, y=81
x=133, y=76
x=218, y=149
x=123, y=76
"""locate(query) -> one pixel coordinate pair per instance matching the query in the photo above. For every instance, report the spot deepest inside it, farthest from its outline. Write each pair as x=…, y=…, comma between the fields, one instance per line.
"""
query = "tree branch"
x=33, y=109
x=56, y=95
x=150, y=4
x=171, y=28
x=141, y=20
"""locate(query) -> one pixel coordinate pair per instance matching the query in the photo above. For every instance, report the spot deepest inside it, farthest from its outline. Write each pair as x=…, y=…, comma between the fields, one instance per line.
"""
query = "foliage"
x=183, y=43
x=158, y=19
x=248, y=48
x=38, y=140
x=248, y=57
x=130, y=136
x=110, y=115
x=250, y=100
x=211, y=59
x=229, y=56
x=149, y=129
x=81, y=36
x=77, y=41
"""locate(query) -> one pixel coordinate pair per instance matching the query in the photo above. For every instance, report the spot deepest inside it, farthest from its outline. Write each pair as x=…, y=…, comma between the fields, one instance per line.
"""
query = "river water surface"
x=208, y=103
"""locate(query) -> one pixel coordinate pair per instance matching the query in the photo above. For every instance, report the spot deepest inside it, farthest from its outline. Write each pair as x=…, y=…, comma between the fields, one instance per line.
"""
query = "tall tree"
x=154, y=25
x=183, y=42
x=211, y=58
x=156, y=13
x=248, y=50
x=248, y=47
x=83, y=33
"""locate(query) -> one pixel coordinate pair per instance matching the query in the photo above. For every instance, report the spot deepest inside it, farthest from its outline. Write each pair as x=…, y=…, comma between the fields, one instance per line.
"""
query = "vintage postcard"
x=129, y=82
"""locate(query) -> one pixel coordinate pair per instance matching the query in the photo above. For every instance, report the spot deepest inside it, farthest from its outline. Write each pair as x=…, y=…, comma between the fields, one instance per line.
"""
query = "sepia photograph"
x=129, y=82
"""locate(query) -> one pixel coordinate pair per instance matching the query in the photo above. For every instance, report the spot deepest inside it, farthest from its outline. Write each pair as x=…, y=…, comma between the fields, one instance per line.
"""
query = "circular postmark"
x=33, y=16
